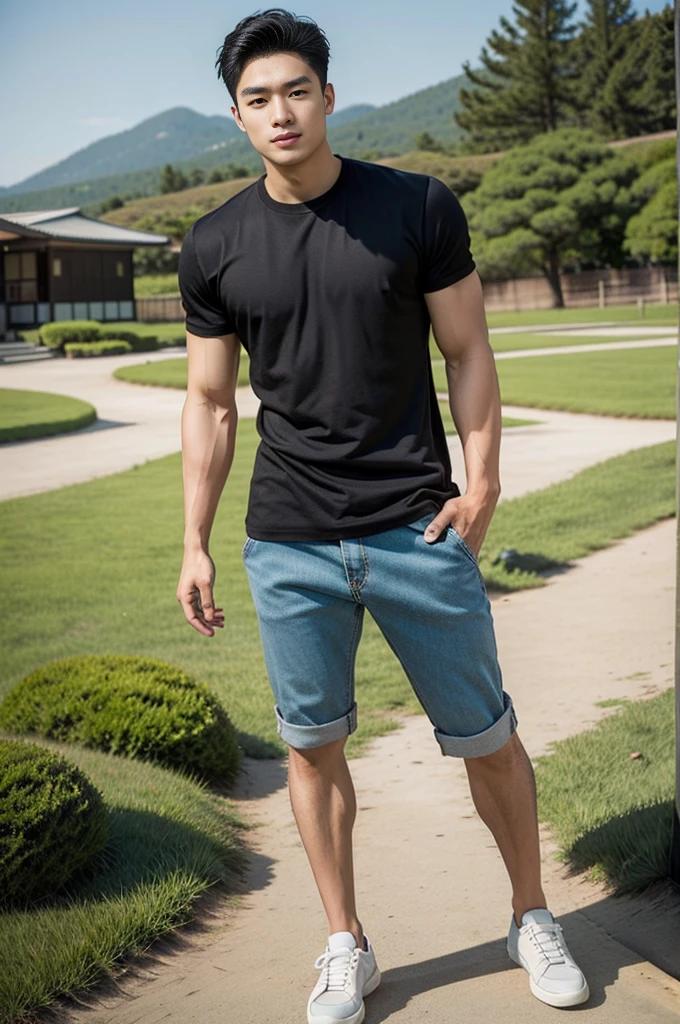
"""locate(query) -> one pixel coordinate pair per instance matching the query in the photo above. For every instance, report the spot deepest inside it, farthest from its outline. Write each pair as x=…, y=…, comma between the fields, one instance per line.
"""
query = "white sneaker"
x=539, y=947
x=348, y=973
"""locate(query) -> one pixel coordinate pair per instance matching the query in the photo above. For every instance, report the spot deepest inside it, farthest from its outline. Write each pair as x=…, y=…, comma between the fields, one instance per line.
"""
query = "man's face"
x=281, y=95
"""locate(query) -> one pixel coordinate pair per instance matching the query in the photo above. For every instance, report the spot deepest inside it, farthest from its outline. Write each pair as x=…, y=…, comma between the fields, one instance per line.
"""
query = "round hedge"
x=137, y=706
x=53, y=821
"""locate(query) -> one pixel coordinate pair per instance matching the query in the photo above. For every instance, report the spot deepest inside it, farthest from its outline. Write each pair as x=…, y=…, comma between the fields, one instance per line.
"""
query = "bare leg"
x=503, y=789
x=324, y=804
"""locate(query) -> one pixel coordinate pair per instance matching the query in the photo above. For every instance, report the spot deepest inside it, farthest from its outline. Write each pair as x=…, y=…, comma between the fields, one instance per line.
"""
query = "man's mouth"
x=286, y=139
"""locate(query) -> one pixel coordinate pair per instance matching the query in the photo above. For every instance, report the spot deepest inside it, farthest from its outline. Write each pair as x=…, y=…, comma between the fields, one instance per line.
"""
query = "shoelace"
x=553, y=951
x=335, y=965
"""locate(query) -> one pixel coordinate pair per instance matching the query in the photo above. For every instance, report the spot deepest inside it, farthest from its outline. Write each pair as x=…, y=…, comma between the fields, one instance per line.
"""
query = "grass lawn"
x=156, y=284
x=655, y=313
x=611, y=815
x=25, y=414
x=533, y=340
x=172, y=372
x=169, y=841
x=623, y=382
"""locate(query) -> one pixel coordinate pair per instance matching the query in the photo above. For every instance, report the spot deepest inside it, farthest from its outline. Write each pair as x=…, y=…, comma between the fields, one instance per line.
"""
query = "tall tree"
x=650, y=63
x=605, y=86
x=528, y=87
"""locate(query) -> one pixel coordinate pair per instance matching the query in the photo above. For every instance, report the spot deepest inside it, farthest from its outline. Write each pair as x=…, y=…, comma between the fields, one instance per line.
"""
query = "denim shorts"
x=429, y=601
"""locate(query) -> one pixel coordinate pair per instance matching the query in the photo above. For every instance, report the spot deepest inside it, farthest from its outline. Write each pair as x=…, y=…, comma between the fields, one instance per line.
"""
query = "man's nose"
x=281, y=113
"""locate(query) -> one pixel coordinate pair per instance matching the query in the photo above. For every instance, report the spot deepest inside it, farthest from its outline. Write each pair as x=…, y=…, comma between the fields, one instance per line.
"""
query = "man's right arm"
x=208, y=432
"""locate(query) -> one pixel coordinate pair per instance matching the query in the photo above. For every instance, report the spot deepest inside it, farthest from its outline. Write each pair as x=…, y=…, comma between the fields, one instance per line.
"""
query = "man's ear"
x=237, y=118
x=329, y=98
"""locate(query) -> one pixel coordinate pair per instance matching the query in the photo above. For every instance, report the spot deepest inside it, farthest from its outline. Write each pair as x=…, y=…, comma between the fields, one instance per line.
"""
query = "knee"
x=316, y=758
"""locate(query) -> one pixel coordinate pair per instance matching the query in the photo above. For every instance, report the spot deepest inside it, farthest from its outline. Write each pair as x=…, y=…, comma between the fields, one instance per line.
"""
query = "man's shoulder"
x=223, y=215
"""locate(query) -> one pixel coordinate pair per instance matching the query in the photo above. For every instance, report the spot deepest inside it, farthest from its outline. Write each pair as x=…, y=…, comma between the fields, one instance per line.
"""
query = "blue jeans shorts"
x=428, y=600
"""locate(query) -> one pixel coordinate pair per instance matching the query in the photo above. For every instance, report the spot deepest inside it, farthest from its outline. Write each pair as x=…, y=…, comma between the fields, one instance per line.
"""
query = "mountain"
x=393, y=127
x=171, y=137
x=129, y=163
x=174, y=135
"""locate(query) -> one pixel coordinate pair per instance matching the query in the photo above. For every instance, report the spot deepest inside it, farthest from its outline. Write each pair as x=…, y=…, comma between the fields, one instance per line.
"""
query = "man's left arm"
x=461, y=333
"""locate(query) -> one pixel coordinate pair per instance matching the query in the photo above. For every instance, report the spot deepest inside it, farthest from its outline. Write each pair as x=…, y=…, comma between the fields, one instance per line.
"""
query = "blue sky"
x=78, y=70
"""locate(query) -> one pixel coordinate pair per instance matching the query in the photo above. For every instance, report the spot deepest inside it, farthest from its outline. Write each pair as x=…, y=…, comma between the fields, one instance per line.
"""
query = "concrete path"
x=433, y=892
x=139, y=423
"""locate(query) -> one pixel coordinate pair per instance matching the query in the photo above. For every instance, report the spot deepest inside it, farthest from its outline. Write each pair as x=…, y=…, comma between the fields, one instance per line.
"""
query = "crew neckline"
x=310, y=205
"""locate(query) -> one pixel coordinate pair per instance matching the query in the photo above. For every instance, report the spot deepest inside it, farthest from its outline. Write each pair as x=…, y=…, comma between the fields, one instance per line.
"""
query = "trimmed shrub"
x=56, y=335
x=137, y=706
x=139, y=342
x=53, y=821
x=83, y=349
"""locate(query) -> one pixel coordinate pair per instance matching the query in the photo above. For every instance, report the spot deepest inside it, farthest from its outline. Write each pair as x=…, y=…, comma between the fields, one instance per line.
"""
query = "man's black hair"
x=268, y=32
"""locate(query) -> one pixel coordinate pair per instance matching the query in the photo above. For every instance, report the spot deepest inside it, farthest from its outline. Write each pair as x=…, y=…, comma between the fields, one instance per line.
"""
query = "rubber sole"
x=551, y=998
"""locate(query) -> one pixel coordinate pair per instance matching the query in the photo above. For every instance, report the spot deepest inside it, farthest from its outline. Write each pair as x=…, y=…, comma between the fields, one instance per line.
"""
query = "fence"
x=631, y=286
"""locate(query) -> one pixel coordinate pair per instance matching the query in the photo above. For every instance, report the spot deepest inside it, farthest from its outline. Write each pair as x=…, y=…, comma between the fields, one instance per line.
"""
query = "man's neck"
x=302, y=182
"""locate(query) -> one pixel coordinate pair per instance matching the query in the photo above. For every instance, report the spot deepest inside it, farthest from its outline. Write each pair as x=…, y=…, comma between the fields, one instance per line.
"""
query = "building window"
x=56, y=267
x=21, y=276
x=120, y=268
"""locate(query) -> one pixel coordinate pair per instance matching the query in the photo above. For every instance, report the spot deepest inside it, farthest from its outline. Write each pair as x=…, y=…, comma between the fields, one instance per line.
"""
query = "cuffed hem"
x=486, y=742
x=307, y=736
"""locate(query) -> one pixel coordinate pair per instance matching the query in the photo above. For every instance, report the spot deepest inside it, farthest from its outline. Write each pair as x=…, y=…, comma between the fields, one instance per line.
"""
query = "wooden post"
x=600, y=289
x=674, y=865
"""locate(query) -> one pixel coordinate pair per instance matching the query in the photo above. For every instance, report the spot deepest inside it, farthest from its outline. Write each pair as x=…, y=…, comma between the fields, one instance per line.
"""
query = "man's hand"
x=470, y=515
x=195, y=592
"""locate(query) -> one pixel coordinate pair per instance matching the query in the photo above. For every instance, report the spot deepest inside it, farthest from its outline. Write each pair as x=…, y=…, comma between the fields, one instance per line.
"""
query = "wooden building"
x=62, y=265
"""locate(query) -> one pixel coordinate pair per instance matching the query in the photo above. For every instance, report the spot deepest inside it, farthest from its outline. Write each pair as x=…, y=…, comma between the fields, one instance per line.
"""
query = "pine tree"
x=528, y=87
x=605, y=85
x=650, y=61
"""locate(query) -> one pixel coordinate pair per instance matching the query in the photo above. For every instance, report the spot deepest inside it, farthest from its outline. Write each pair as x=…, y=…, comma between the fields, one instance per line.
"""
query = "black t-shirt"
x=327, y=298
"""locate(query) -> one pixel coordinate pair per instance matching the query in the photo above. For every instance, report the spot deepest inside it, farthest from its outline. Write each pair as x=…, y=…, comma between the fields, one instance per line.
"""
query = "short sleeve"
x=446, y=239
x=205, y=313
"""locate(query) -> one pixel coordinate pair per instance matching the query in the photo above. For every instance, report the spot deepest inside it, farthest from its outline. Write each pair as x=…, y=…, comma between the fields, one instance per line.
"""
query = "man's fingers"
x=207, y=604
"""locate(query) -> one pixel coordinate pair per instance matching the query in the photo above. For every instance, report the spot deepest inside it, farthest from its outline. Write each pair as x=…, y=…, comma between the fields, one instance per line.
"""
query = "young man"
x=330, y=271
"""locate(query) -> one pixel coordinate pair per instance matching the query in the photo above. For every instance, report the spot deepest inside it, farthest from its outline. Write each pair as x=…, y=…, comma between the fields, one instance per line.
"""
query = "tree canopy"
x=559, y=202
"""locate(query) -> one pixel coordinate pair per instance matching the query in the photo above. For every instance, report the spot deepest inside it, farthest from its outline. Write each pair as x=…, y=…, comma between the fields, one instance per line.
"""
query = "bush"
x=77, y=349
x=53, y=821
x=139, y=342
x=55, y=335
x=137, y=706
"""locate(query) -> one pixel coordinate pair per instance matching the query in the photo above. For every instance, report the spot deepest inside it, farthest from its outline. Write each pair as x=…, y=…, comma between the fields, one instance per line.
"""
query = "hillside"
x=160, y=212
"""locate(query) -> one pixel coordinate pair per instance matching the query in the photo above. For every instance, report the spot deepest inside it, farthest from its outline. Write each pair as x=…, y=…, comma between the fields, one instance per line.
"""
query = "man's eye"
x=298, y=90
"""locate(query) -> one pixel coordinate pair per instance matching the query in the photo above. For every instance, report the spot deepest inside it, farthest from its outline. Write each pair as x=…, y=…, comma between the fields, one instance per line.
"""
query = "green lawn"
x=612, y=815
x=623, y=382
x=169, y=841
x=172, y=373
x=25, y=414
x=655, y=313
x=156, y=284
